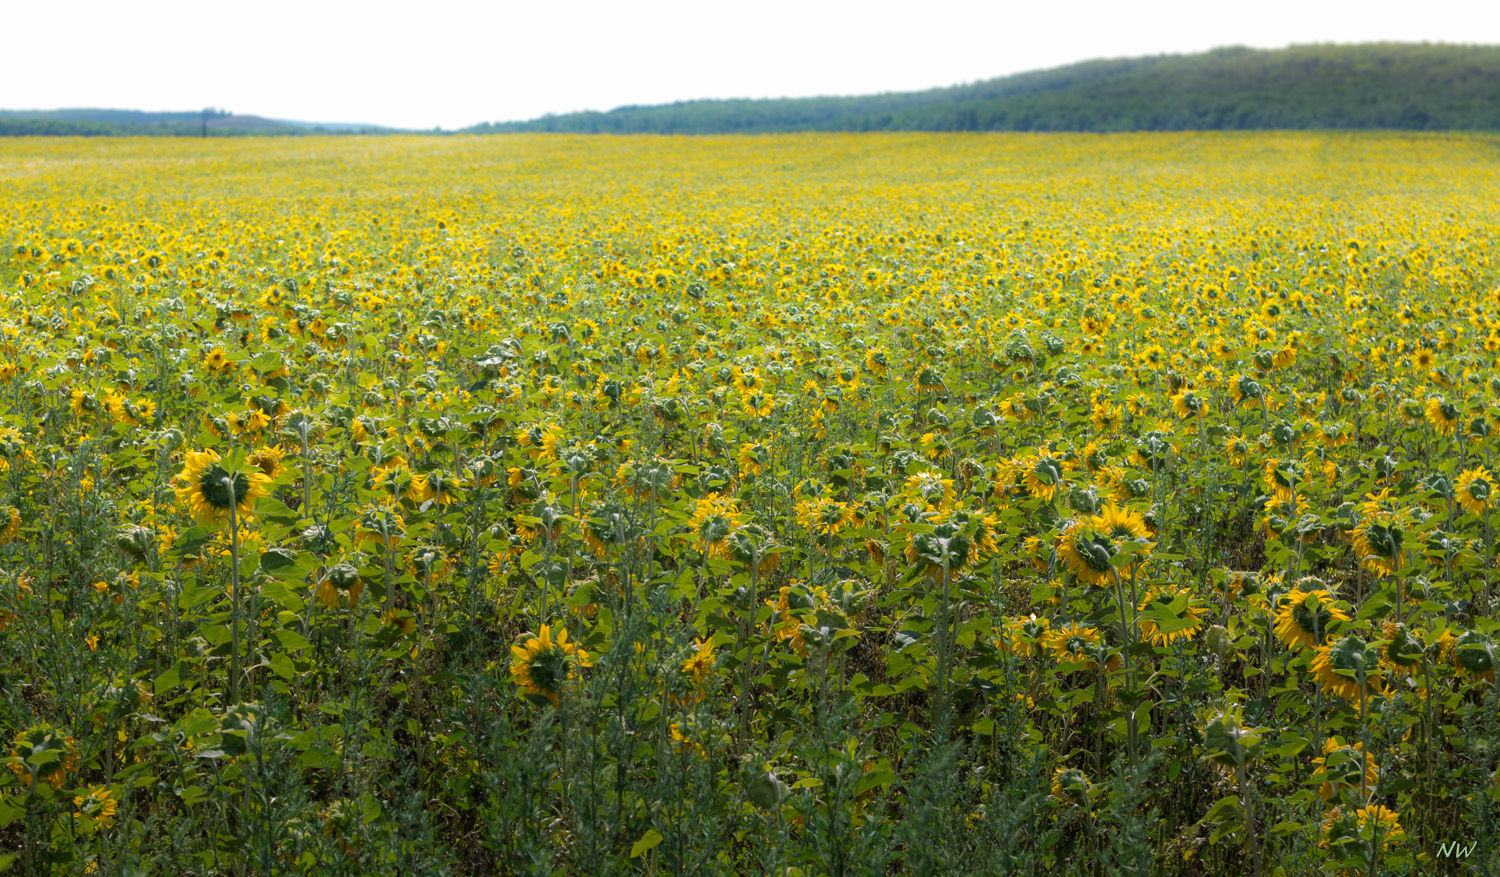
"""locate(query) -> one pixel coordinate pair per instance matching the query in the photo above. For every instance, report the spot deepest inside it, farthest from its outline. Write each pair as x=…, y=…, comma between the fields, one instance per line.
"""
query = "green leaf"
x=191, y=541
x=873, y=778
x=648, y=842
x=172, y=677
x=291, y=640
x=282, y=666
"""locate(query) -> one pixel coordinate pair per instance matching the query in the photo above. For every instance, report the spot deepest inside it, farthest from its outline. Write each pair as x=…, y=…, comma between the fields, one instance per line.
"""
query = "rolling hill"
x=1377, y=85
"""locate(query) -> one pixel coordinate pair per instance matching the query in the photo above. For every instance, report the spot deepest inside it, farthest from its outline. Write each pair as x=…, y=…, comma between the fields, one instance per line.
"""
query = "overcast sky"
x=451, y=64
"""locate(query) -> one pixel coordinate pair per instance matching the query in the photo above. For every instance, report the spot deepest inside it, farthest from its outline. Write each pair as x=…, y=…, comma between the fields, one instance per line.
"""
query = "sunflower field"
x=782, y=505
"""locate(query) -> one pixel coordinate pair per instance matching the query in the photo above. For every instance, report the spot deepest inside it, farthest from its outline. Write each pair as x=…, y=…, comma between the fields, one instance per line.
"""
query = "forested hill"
x=1402, y=86
x=135, y=123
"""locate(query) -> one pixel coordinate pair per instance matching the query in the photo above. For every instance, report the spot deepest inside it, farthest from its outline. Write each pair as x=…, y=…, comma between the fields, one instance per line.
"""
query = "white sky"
x=451, y=64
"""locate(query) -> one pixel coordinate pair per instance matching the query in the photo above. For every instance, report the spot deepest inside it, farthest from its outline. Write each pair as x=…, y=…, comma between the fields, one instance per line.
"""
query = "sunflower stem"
x=234, y=592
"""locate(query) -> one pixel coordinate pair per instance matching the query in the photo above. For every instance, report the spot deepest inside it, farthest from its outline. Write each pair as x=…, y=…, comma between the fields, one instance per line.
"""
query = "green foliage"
x=1397, y=86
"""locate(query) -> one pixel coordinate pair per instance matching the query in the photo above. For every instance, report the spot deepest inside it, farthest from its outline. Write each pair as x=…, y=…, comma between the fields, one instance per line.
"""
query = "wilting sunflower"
x=1352, y=655
x=340, y=586
x=209, y=490
x=1303, y=618
x=1474, y=489
x=1342, y=766
x=1190, y=615
x=541, y=665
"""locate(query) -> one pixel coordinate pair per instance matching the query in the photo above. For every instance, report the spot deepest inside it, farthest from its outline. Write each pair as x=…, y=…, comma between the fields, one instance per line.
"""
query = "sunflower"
x=757, y=404
x=1021, y=635
x=1341, y=766
x=949, y=543
x=210, y=491
x=1189, y=616
x=933, y=489
x=929, y=379
x=31, y=743
x=1238, y=449
x=752, y=543
x=1378, y=543
x=1089, y=545
x=1474, y=489
x=541, y=665
x=1350, y=655
x=702, y=662
x=1042, y=474
x=1070, y=786
x=714, y=518
x=268, y=460
x=753, y=458
x=1474, y=654
x=1353, y=835
x=96, y=809
x=1080, y=643
x=1303, y=618
x=1188, y=404
x=1442, y=415
x=1403, y=648
x=1281, y=478
x=12, y=526
x=1106, y=416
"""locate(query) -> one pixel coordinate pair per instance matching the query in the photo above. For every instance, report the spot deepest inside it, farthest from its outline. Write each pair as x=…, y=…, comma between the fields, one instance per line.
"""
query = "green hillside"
x=135, y=123
x=1380, y=85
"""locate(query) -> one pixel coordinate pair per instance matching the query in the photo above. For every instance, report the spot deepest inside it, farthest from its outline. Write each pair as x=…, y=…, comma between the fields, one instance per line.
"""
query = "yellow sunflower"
x=1303, y=618
x=1070, y=786
x=1090, y=544
x=1340, y=665
x=1474, y=489
x=541, y=665
x=209, y=490
x=1341, y=765
x=1042, y=474
x=1186, y=619
x=1442, y=415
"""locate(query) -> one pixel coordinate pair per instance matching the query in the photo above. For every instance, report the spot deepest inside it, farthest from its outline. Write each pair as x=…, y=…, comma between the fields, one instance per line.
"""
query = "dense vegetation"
x=788, y=505
x=1388, y=85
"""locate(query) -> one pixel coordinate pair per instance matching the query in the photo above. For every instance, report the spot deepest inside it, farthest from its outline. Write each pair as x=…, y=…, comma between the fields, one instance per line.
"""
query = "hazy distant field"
x=793, y=505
